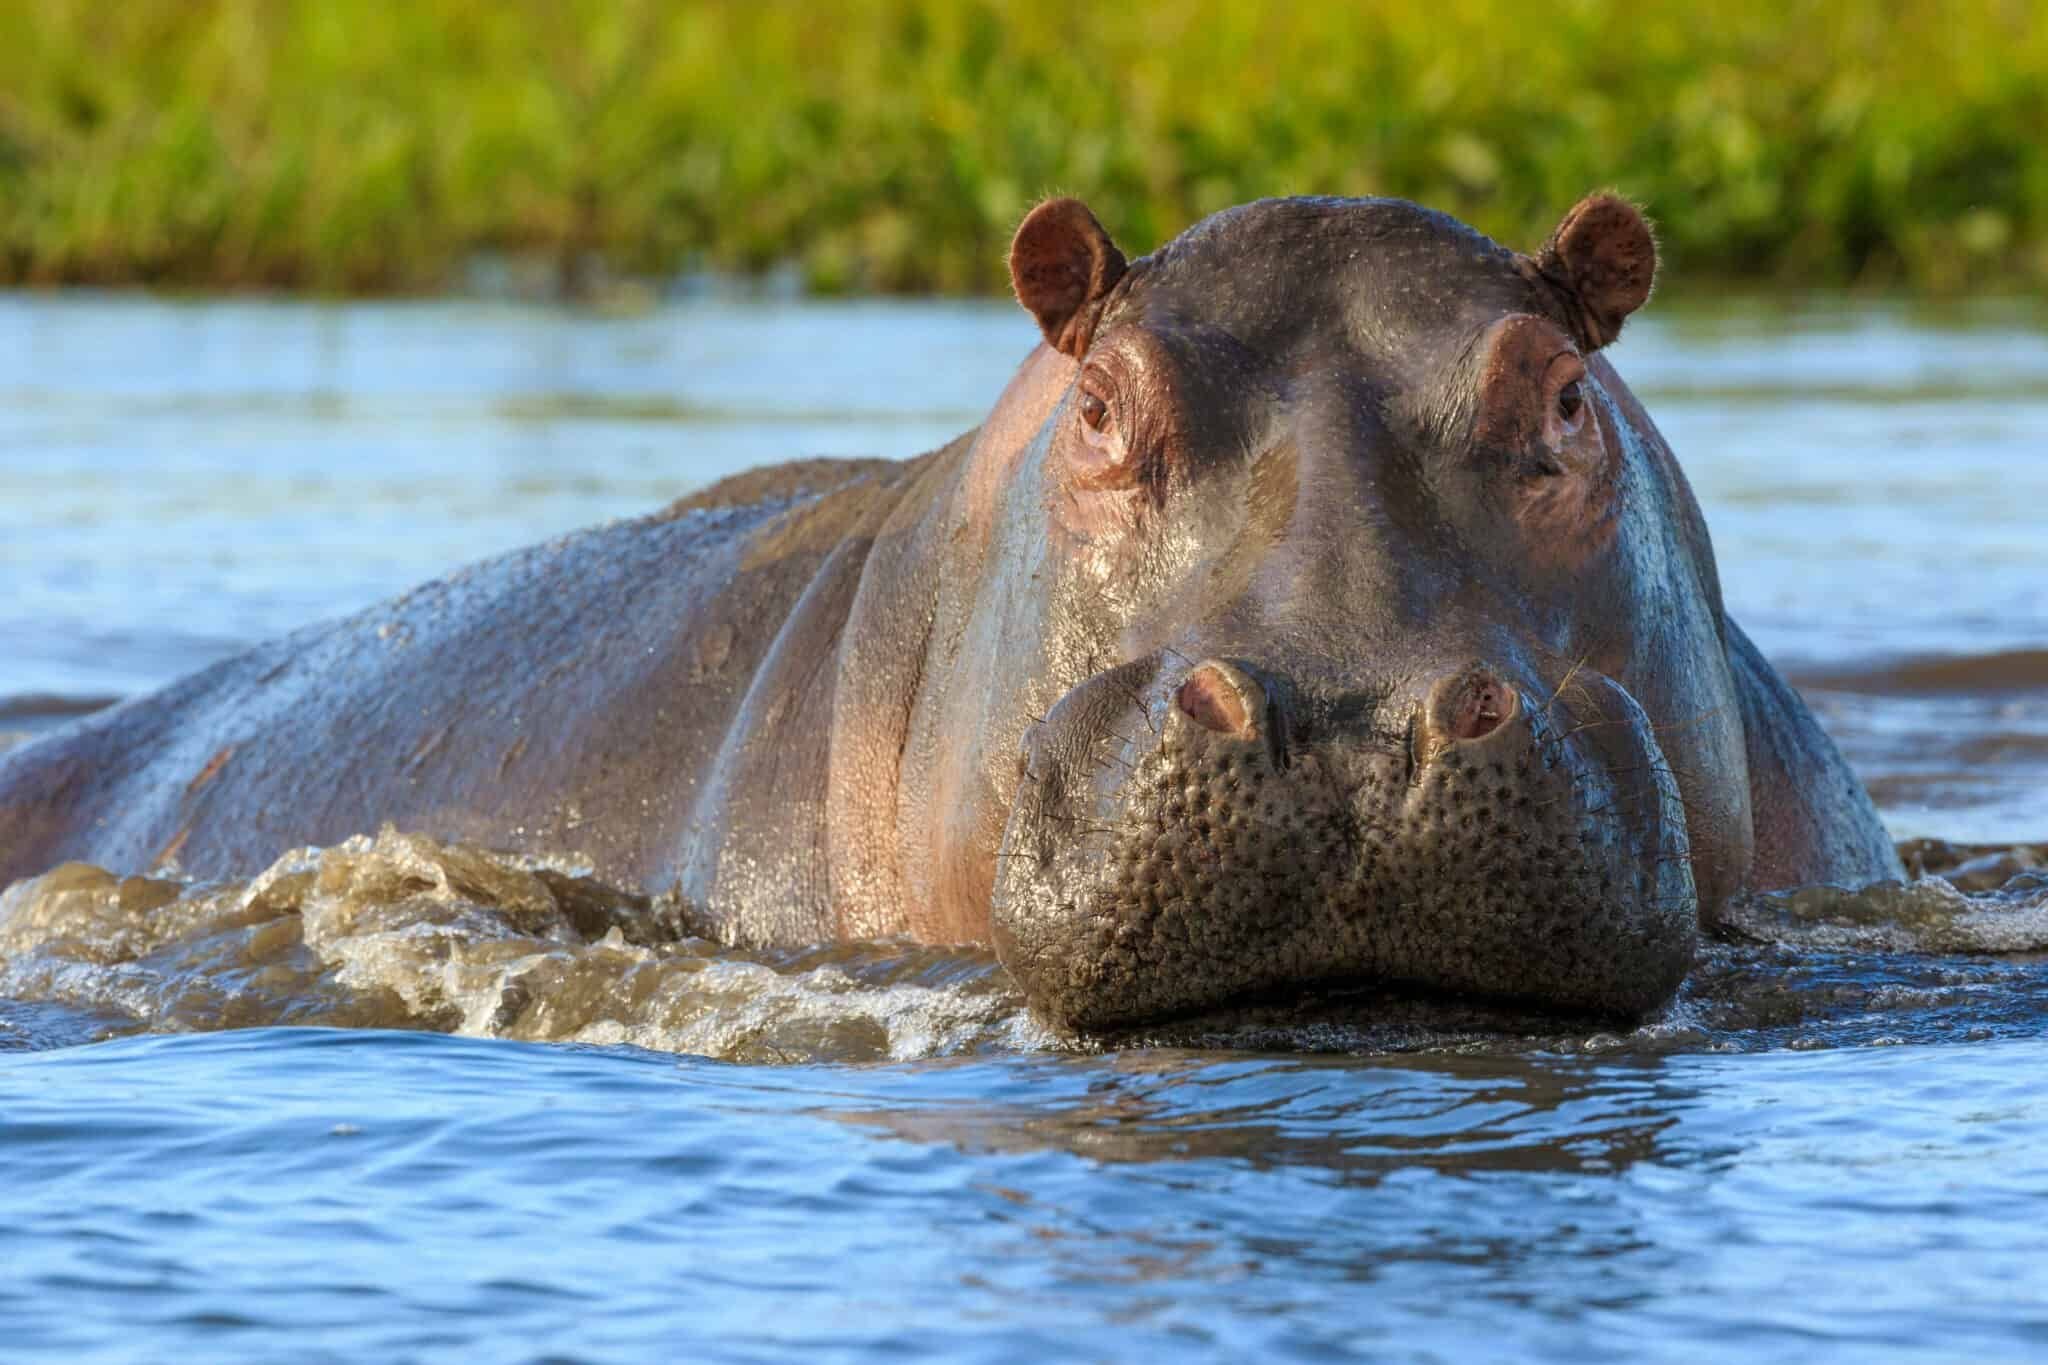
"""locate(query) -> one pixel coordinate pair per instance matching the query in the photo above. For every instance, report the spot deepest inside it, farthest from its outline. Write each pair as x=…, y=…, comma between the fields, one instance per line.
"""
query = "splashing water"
x=401, y=931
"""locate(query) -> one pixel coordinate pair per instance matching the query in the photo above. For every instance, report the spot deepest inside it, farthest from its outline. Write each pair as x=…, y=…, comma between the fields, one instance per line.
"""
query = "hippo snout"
x=1223, y=831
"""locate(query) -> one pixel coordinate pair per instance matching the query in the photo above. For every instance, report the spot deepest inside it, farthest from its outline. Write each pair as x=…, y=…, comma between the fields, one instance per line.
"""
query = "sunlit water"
x=1834, y=1142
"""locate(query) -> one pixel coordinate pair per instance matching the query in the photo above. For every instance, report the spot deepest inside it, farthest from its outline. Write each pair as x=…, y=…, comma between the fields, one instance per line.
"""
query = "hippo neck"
x=898, y=813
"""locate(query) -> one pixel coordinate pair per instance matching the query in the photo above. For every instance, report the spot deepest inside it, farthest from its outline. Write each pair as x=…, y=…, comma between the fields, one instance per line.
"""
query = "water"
x=383, y=1196
x=474, y=1107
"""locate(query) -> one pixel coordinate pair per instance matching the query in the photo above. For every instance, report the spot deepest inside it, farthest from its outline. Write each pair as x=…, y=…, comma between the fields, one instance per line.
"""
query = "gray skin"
x=1315, y=605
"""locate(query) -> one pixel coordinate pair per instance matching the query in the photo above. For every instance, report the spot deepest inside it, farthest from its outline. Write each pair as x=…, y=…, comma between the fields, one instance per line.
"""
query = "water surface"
x=470, y=1106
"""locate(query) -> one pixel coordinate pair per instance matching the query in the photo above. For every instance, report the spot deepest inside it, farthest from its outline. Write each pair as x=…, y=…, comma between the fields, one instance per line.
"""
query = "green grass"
x=893, y=144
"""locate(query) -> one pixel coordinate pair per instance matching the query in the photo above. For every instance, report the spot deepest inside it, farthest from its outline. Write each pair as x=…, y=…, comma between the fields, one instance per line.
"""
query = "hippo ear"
x=1603, y=260
x=1062, y=264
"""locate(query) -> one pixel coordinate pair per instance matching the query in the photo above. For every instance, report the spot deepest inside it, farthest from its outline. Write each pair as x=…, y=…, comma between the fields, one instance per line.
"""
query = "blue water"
x=386, y=1196
x=1830, y=1150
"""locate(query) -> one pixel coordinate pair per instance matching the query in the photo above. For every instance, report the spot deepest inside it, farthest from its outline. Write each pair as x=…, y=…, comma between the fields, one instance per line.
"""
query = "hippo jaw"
x=1212, y=848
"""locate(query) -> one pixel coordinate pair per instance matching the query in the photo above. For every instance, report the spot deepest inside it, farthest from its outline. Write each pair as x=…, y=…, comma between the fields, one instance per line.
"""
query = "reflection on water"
x=1358, y=1124
x=871, y=1151
x=382, y=1195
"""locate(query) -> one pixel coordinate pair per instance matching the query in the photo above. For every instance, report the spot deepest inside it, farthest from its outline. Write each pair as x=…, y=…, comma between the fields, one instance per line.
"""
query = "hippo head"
x=1337, y=616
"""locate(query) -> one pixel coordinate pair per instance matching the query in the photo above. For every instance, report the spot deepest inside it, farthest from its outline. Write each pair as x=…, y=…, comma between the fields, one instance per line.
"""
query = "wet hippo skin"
x=1315, y=604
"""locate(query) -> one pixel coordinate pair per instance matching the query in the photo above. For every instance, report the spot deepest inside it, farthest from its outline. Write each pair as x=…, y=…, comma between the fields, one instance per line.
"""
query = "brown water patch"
x=2007, y=671
x=30, y=708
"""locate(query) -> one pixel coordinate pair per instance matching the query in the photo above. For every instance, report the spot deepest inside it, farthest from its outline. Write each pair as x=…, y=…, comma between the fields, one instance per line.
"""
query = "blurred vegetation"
x=893, y=144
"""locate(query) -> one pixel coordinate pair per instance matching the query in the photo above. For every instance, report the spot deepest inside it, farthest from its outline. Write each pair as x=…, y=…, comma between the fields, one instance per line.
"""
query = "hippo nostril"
x=1481, y=711
x=1221, y=699
x=1470, y=705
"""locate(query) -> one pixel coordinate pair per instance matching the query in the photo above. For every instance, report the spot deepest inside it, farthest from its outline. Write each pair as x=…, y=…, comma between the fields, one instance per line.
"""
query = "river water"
x=398, y=1100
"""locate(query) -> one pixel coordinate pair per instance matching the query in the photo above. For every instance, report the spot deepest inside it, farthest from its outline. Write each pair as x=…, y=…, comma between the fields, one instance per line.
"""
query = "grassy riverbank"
x=892, y=144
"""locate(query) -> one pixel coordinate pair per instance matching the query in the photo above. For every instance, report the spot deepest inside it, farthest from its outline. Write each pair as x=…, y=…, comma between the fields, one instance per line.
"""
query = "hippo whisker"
x=1138, y=705
x=1565, y=682
x=1128, y=741
x=1674, y=728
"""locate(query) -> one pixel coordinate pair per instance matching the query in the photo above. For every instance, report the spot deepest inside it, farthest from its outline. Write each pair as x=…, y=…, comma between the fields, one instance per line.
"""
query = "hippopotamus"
x=1316, y=605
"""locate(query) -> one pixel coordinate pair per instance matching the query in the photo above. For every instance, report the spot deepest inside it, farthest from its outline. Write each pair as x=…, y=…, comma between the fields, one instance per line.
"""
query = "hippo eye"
x=1570, y=400
x=1094, y=412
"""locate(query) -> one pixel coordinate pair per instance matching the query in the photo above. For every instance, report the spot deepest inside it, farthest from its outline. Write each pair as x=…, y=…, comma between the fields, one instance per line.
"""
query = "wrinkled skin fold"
x=1316, y=605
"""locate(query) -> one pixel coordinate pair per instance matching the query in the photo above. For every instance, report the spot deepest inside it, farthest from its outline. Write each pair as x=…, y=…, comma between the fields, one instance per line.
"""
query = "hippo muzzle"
x=1183, y=839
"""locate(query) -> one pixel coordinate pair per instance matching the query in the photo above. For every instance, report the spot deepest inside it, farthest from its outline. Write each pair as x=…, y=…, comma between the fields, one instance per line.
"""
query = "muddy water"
x=303, y=1113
